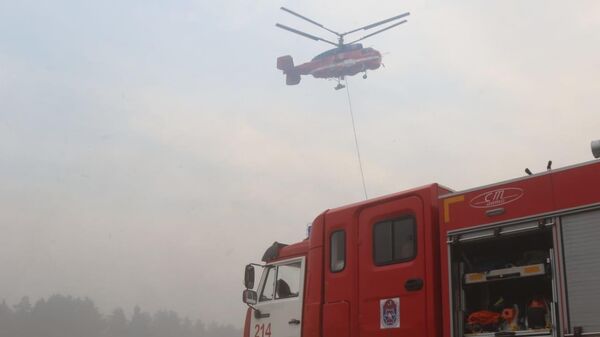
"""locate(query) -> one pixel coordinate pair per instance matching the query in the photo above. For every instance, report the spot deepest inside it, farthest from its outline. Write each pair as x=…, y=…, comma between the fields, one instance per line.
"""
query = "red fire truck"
x=515, y=258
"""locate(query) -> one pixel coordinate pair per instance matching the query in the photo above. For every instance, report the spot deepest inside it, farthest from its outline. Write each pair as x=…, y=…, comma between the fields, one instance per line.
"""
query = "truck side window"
x=267, y=290
x=338, y=251
x=288, y=280
x=394, y=241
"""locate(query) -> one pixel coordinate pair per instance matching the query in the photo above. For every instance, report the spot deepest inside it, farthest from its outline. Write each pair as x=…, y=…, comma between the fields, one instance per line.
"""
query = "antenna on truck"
x=548, y=167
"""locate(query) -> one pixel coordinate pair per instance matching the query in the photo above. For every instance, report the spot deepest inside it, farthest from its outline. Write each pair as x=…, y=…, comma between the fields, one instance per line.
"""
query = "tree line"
x=67, y=316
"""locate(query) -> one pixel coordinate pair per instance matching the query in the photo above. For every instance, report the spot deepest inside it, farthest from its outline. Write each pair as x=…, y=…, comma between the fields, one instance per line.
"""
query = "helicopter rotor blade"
x=379, y=31
x=312, y=37
x=309, y=20
x=373, y=25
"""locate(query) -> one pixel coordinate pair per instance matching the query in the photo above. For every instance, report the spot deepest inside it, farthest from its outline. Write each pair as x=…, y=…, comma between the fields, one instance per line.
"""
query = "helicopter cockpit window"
x=330, y=52
x=334, y=51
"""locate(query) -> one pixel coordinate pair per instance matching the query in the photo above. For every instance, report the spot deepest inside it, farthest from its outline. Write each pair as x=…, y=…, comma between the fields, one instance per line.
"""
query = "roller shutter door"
x=581, y=240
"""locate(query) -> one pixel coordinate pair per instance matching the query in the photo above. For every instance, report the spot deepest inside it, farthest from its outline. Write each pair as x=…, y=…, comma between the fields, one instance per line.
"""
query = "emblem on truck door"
x=499, y=197
x=389, y=312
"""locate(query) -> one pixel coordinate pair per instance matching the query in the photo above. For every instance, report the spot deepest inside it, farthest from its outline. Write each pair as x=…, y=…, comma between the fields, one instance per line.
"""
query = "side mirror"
x=249, y=276
x=249, y=297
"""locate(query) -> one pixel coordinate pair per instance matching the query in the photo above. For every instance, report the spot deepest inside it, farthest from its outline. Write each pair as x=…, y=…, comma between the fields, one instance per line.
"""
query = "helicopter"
x=346, y=59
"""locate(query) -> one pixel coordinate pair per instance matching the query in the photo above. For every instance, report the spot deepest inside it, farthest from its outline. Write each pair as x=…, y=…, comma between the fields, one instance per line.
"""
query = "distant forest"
x=66, y=316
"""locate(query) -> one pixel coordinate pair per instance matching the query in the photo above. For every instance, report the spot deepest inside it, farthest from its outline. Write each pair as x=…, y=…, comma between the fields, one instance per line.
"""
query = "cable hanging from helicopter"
x=346, y=59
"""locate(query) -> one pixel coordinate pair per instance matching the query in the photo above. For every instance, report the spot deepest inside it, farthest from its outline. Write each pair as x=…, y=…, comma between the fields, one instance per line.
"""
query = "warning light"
x=596, y=148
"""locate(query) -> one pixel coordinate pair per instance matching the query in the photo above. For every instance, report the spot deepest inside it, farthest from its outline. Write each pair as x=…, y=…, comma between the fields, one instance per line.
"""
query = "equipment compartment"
x=503, y=284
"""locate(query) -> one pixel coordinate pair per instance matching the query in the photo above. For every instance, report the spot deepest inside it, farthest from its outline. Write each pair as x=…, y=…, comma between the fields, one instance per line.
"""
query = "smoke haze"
x=150, y=149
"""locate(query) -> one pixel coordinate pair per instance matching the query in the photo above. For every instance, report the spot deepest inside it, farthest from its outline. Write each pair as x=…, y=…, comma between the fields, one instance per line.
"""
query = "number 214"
x=261, y=331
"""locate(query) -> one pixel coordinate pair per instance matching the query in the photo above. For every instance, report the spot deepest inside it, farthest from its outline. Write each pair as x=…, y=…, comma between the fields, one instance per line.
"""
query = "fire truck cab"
x=516, y=258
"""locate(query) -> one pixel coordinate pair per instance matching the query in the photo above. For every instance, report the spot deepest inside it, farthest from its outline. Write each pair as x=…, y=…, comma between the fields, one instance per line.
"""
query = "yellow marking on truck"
x=475, y=277
x=532, y=270
x=448, y=202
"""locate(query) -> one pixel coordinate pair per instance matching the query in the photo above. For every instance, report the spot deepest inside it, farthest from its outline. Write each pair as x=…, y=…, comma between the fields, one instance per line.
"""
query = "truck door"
x=391, y=278
x=280, y=296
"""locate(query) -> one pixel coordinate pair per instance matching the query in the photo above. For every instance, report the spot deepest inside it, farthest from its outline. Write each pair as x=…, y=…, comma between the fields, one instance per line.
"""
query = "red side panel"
x=293, y=250
x=247, y=323
x=432, y=265
x=337, y=316
x=313, y=299
x=381, y=283
x=577, y=187
x=556, y=190
x=341, y=287
x=496, y=203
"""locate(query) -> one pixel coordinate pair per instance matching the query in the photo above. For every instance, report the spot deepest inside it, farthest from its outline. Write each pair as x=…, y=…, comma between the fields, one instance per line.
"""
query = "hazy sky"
x=149, y=149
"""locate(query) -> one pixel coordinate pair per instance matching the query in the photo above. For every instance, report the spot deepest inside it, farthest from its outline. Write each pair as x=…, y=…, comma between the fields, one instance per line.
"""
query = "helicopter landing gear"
x=365, y=75
x=339, y=85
